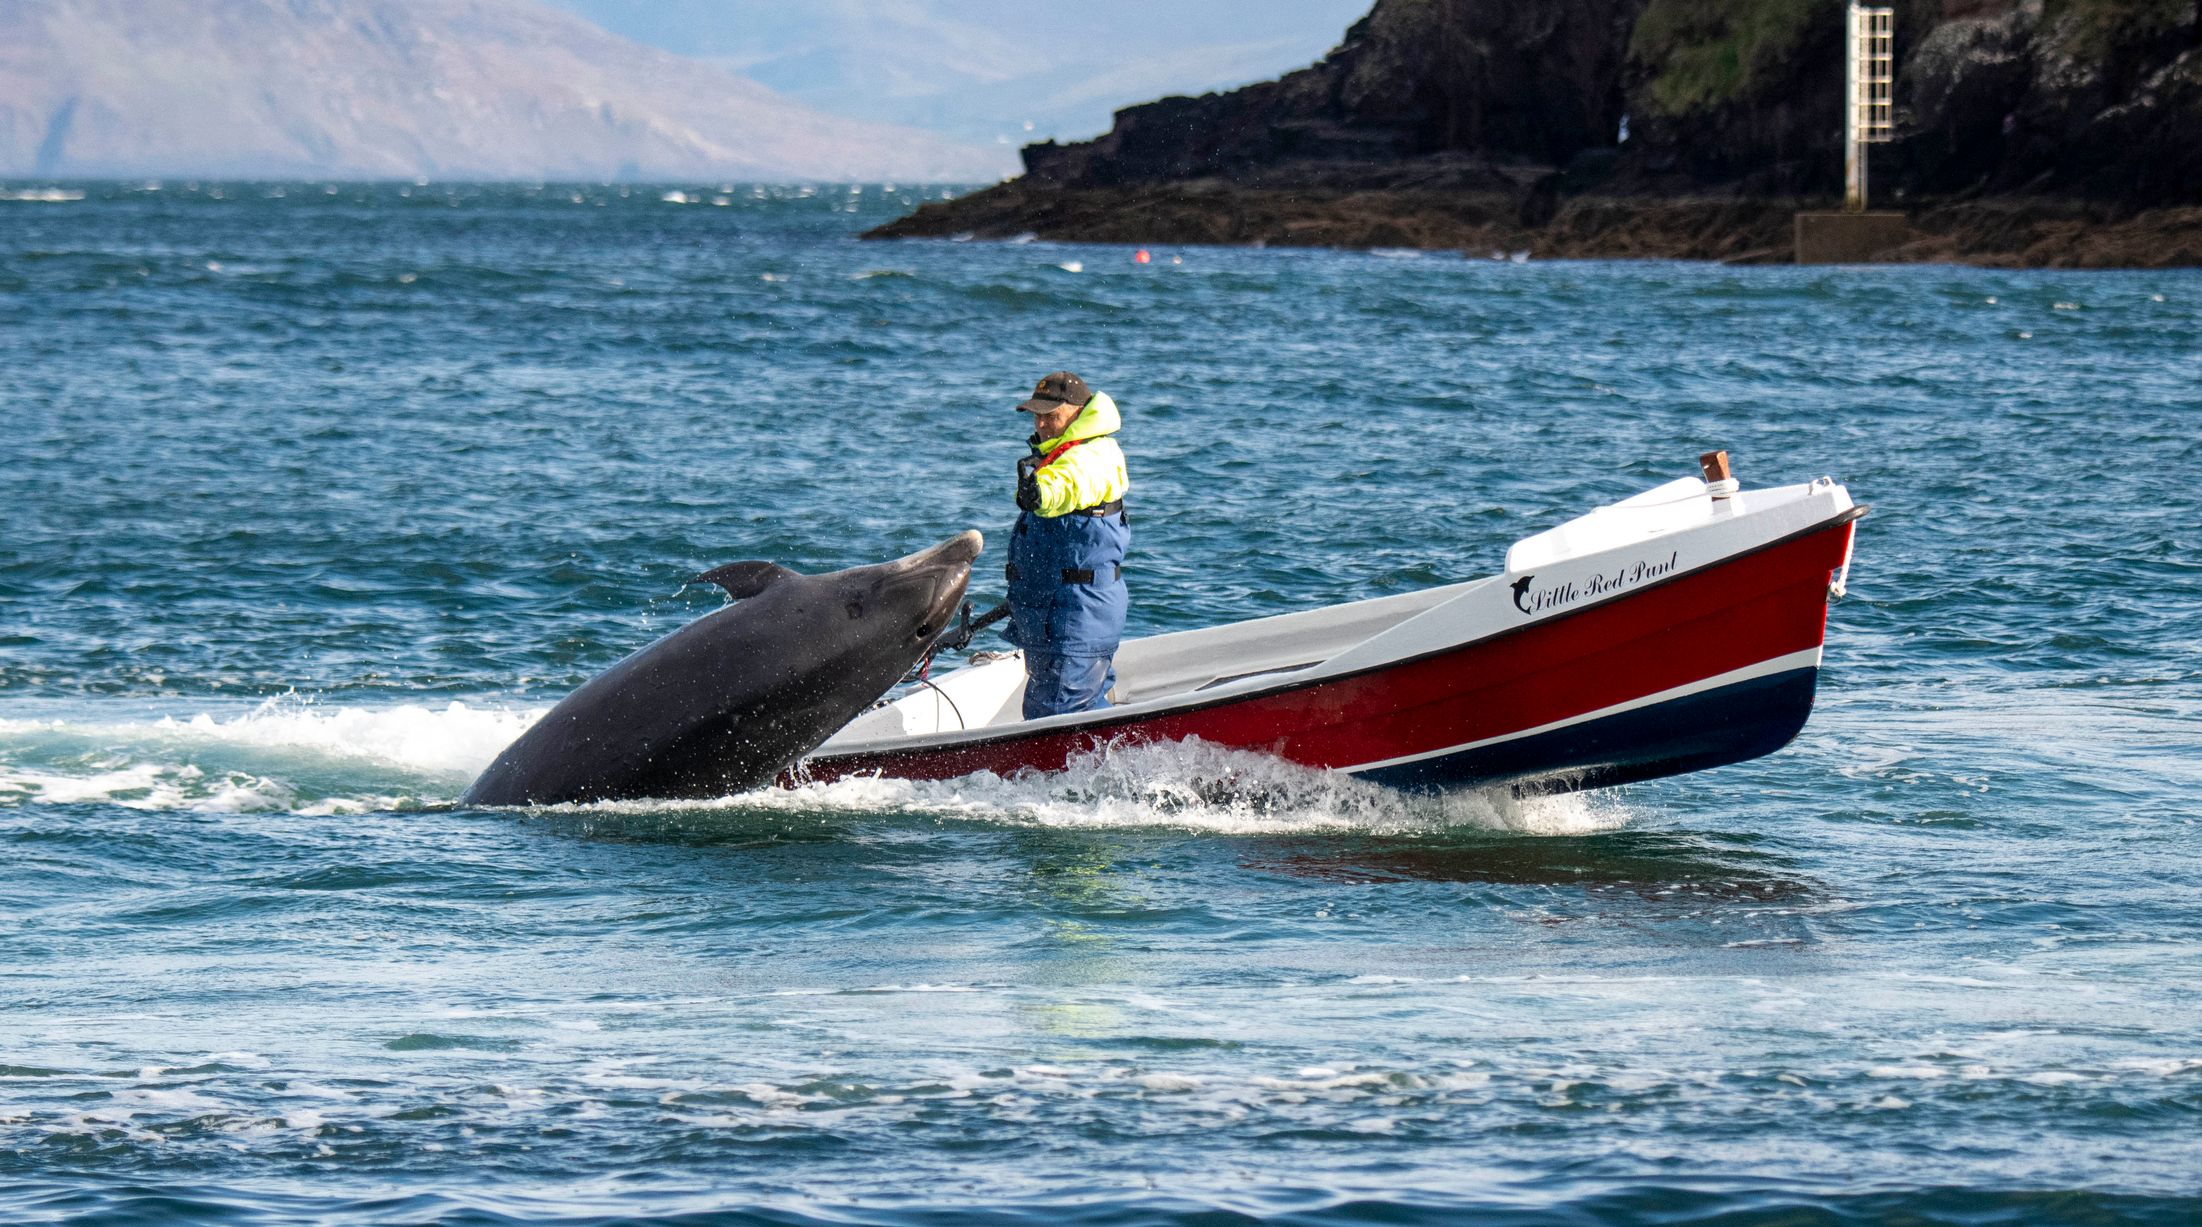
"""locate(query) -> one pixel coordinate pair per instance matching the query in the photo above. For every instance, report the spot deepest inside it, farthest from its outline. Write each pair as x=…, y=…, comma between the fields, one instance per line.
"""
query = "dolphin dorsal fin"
x=744, y=579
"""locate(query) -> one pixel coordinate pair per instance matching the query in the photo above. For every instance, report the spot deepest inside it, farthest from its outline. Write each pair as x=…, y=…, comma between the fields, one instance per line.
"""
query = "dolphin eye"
x=856, y=610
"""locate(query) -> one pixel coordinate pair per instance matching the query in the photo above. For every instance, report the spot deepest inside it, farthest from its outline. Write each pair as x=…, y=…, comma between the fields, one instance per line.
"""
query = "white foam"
x=455, y=740
x=1907, y=1071
x=287, y=743
x=42, y=195
x=2163, y=1067
x=64, y=790
x=1201, y=786
x=147, y=786
x=1169, y=1083
x=278, y=756
x=2054, y=1077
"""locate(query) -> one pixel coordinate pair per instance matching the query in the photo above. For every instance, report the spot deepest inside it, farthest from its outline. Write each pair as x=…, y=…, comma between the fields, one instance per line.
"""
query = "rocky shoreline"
x=1997, y=233
x=2028, y=133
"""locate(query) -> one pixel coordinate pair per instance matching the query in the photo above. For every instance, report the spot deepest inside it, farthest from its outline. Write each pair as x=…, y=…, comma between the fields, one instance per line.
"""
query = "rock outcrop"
x=1965, y=81
x=1538, y=80
x=2094, y=99
x=1528, y=121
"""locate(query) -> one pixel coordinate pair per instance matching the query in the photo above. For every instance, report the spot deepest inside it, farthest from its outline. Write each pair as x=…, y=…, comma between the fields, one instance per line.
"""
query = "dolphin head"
x=909, y=601
x=946, y=569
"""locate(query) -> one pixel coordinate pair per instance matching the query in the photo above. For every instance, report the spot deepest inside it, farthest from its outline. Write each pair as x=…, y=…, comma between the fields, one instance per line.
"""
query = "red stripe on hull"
x=1708, y=622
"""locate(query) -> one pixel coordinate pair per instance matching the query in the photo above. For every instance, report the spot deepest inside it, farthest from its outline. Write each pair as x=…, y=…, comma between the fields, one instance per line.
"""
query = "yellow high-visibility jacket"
x=1090, y=473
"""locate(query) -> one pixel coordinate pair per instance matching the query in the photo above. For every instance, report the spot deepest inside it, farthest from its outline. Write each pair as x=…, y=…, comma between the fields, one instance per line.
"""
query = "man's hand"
x=1028, y=484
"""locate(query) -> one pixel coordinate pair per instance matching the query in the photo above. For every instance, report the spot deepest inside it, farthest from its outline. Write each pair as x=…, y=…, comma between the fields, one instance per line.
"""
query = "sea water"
x=312, y=496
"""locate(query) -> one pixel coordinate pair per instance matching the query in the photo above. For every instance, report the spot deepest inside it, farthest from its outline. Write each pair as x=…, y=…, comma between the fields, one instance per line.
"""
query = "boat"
x=1674, y=631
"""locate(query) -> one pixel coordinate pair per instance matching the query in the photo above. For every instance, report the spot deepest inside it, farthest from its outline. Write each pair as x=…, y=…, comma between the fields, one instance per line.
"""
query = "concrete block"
x=1849, y=238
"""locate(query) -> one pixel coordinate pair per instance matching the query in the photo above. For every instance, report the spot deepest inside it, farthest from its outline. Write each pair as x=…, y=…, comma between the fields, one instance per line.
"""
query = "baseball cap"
x=1059, y=388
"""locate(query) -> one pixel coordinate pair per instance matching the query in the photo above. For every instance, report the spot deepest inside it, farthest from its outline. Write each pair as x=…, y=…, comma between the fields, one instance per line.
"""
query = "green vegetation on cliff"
x=1702, y=54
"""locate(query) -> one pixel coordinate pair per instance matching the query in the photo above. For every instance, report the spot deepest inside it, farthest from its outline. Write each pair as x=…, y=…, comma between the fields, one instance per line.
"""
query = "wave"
x=289, y=753
x=455, y=738
x=296, y=755
x=1189, y=785
x=1731, y=1201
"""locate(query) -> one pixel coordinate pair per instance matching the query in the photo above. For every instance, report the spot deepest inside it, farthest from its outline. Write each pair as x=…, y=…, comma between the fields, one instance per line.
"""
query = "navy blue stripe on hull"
x=1710, y=729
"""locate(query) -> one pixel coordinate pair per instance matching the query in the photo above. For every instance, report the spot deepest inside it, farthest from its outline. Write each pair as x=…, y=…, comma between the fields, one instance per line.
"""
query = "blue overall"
x=1068, y=624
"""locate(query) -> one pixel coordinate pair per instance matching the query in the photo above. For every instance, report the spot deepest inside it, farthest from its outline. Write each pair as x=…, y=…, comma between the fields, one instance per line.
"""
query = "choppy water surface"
x=312, y=497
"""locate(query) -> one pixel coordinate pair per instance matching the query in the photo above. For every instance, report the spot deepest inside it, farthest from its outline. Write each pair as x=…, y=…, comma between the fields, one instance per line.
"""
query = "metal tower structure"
x=1868, y=83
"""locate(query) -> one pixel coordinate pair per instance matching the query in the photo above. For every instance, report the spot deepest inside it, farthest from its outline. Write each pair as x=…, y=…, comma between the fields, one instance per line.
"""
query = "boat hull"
x=1713, y=666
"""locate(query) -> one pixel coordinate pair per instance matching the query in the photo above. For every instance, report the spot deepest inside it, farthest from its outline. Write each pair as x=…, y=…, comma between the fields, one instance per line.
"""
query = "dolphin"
x=726, y=702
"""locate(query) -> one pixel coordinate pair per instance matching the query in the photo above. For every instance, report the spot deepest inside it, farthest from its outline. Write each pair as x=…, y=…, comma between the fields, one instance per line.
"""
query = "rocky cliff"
x=1527, y=114
x=2100, y=99
x=1538, y=80
x=2082, y=99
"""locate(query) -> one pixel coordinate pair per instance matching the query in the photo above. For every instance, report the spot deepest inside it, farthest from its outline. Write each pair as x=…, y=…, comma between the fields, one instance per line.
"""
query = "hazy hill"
x=447, y=88
x=985, y=71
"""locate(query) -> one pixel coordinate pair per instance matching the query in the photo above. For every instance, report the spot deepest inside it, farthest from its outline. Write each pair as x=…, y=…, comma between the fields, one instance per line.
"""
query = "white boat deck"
x=1241, y=655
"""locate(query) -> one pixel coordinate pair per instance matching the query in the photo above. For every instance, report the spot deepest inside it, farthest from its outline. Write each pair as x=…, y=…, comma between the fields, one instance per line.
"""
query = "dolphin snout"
x=946, y=570
x=958, y=550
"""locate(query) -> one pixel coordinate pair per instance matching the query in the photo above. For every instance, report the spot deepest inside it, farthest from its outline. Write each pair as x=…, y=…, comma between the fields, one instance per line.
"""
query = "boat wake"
x=288, y=754
x=294, y=755
x=1199, y=786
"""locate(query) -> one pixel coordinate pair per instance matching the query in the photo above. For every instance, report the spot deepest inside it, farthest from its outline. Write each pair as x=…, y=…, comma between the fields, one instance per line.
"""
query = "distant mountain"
x=404, y=88
x=996, y=71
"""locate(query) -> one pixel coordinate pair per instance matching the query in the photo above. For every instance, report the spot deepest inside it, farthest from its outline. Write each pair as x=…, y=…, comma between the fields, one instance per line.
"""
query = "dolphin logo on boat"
x=726, y=702
x=1521, y=589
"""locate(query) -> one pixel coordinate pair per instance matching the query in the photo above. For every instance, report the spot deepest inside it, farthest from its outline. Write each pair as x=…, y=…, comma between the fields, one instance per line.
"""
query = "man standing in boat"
x=1066, y=556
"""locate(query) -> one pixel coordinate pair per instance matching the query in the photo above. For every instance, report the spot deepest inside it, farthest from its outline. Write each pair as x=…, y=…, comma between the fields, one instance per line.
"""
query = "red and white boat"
x=1670, y=632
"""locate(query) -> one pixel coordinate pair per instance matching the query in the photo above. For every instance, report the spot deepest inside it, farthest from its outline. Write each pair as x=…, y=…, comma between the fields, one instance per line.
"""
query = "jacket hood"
x=1098, y=418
